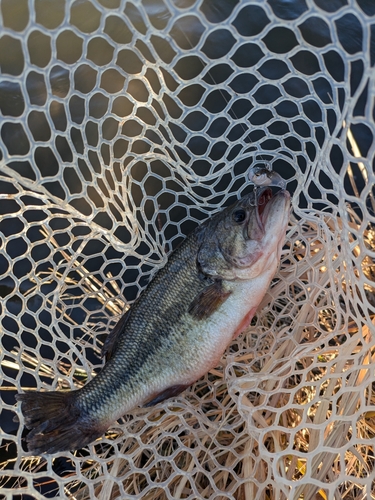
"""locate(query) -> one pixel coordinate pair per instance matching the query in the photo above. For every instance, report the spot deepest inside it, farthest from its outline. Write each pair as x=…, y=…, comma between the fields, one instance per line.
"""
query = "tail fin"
x=56, y=422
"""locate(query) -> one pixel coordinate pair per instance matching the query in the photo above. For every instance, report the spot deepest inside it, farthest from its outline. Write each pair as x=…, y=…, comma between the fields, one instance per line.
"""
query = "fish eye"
x=239, y=216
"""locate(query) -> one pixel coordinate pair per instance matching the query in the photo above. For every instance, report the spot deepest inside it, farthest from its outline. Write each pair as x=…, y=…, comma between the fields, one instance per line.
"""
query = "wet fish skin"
x=177, y=330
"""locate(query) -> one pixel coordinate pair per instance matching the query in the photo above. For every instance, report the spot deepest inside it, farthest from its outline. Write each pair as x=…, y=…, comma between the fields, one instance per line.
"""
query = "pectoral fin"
x=208, y=300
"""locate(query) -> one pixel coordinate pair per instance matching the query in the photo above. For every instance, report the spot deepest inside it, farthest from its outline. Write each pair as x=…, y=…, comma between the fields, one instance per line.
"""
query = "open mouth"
x=262, y=199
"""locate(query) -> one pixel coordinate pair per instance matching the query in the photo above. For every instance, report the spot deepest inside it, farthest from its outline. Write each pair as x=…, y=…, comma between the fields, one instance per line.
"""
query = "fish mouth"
x=263, y=199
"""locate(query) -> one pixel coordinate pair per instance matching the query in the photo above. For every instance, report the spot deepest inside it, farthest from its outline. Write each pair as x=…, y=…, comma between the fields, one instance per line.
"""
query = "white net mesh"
x=124, y=124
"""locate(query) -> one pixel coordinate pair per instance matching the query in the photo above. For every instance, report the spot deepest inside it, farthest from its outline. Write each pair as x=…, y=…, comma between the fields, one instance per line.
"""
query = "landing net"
x=125, y=124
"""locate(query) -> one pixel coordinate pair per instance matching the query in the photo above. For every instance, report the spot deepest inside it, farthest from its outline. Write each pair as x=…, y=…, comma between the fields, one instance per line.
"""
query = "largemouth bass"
x=178, y=328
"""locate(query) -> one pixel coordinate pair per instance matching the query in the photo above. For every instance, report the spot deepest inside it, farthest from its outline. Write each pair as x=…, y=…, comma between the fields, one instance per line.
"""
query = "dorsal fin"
x=109, y=345
x=208, y=300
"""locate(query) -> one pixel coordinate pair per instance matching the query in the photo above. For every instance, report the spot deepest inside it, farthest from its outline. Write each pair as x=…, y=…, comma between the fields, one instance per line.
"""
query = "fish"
x=177, y=329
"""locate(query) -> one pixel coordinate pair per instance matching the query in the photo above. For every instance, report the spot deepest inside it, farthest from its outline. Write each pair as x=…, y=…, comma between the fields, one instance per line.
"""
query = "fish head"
x=246, y=238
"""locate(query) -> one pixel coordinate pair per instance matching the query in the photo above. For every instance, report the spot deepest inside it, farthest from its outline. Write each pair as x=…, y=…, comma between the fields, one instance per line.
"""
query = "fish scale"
x=177, y=329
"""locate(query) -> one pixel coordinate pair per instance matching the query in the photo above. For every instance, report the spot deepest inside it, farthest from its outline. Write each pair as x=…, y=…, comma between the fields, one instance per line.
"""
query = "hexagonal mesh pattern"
x=125, y=124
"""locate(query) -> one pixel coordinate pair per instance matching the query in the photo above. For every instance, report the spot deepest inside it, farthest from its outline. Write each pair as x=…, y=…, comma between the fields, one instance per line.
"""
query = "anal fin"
x=169, y=392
